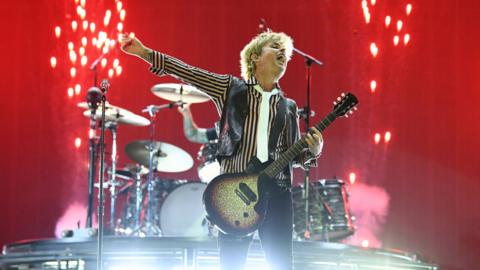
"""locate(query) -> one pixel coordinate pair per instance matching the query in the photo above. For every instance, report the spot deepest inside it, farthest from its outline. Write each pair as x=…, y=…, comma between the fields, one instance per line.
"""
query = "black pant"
x=275, y=234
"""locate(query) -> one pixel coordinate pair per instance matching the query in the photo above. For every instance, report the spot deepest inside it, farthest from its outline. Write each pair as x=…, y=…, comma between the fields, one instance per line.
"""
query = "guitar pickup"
x=248, y=192
x=242, y=197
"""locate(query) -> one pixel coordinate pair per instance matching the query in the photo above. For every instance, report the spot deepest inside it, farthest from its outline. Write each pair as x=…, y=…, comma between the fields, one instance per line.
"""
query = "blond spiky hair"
x=256, y=45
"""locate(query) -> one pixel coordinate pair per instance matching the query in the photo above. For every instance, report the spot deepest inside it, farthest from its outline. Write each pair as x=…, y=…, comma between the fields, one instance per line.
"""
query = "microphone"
x=94, y=97
x=302, y=112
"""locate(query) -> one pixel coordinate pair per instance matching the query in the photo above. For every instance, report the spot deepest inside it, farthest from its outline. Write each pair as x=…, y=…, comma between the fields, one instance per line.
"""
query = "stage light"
x=110, y=73
x=399, y=25
x=92, y=27
x=85, y=25
x=82, y=3
x=119, y=6
x=70, y=45
x=352, y=177
x=364, y=4
x=408, y=9
x=70, y=92
x=115, y=63
x=83, y=60
x=78, y=142
x=377, y=138
x=406, y=39
x=73, y=72
x=94, y=41
x=78, y=89
x=104, y=62
x=365, y=243
x=105, y=49
x=102, y=36
x=58, y=31
x=388, y=20
x=388, y=136
x=83, y=14
x=373, y=2
x=373, y=49
x=396, y=39
x=118, y=70
x=53, y=61
x=106, y=20
x=81, y=51
x=120, y=27
x=123, y=13
x=373, y=85
x=74, y=26
x=367, y=18
x=79, y=10
x=84, y=41
x=73, y=56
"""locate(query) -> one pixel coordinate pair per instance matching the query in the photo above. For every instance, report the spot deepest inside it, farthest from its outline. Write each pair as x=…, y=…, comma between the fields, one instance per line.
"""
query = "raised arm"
x=214, y=85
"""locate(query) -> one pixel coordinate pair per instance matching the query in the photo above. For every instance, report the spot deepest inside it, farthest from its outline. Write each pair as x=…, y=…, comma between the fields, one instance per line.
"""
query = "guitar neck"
x=293, y=151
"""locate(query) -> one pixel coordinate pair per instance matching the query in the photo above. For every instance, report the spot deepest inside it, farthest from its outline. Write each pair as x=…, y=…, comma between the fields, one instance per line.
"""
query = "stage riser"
x=124, y=253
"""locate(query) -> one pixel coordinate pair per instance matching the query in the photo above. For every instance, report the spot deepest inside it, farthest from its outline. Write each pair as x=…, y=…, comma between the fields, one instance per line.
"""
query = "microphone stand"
x=309, y=60
x=92, y=144
x=104, y=87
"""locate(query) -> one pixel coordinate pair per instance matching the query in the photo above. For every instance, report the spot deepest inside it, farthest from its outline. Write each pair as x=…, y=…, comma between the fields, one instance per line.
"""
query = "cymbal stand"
x=152, y=110
x=138, y=198
x=112, y=126
x=151, y=228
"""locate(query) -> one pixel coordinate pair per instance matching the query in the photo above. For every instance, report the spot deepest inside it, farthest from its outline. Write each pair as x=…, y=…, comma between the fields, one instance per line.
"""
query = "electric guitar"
x=235, y=203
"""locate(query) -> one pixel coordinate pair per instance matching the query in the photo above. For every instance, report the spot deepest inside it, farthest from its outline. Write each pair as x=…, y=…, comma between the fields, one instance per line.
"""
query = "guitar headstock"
x=345, y=104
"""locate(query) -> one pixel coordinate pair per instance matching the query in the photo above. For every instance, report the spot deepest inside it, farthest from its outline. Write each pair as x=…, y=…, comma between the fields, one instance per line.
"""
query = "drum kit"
x=153, y=206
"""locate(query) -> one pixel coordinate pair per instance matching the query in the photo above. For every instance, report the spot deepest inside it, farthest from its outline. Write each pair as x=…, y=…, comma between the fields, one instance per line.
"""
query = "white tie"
x=262, y=126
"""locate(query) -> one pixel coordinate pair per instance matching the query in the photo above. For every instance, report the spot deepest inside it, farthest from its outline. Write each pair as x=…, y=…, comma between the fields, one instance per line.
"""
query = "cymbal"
x=179, y=92
x=166, y=157
x=116, y=114
x=131, y=171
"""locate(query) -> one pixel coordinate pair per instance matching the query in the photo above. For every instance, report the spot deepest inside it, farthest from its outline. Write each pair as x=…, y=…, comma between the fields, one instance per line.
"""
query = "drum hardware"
x=209, y=167
x=179, y=92
x=330, y=218
x=158, y=156
x=115, y=114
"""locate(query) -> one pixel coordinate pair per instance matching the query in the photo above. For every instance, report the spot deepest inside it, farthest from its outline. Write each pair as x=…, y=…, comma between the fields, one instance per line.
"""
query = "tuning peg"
x=334, y=103
x=350, y=112
x=355, y=108
x=343, y=94
x=339, y=98
x=346, y=115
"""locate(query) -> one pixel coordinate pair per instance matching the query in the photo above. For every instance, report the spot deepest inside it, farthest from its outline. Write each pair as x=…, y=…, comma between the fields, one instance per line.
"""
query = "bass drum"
x=182, y=213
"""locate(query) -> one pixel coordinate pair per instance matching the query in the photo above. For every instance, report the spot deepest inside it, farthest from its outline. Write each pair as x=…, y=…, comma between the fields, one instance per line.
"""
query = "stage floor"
x=175, y=253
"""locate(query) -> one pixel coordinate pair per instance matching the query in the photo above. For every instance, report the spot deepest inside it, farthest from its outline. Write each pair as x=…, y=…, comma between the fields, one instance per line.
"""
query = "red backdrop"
x=426, y=96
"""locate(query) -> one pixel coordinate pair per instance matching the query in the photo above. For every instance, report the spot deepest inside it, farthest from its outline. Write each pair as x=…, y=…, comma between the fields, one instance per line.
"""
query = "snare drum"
x=331, y=192
x=182, y=213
